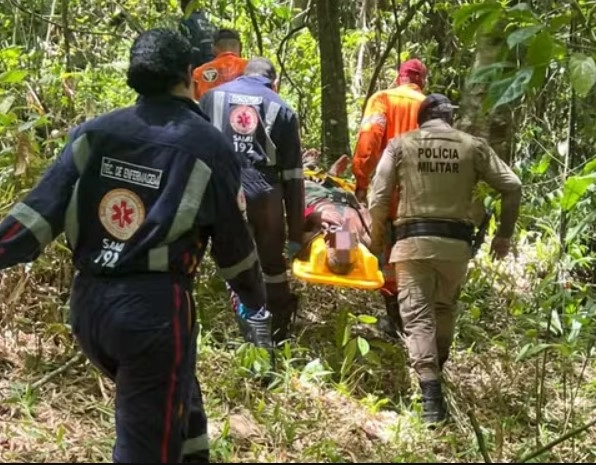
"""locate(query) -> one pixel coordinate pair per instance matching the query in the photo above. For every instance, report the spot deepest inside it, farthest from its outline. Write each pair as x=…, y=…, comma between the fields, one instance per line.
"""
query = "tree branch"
x=412, y=10
x=556, y=442
x=19, y=7
x=129, y=19
x=585, y=20
x=66, y=31
x=255, y=24
x=72, y=362
x=281, y=61
x=479, y=437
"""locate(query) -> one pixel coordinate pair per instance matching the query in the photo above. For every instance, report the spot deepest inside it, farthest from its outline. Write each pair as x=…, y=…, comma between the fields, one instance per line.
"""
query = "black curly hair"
x=159, y=60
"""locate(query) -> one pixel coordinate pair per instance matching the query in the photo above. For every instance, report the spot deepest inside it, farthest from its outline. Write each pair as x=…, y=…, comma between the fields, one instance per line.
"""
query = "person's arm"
x=292, y=175
x=232, y=245
x=370, y=139
x=35, y=221
x=206, y=104
x=382, y=187
x=497, y=174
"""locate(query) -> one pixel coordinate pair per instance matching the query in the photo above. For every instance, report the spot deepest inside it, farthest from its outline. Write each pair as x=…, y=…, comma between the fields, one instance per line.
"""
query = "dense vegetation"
x=521, y=382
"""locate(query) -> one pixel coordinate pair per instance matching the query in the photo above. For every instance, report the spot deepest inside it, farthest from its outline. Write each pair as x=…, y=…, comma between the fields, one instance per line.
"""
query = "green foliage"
x=526, y=325
x=582, y=71
x=574, y=189
x=538, y=40
x=348, y=347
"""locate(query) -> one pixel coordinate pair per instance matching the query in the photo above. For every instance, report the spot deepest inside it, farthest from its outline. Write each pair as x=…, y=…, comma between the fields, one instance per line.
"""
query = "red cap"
x=412, y=68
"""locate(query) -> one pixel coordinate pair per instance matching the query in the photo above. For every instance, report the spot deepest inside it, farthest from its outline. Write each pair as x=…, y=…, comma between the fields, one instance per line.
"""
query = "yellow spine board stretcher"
x=365, y=274
x=321, y=175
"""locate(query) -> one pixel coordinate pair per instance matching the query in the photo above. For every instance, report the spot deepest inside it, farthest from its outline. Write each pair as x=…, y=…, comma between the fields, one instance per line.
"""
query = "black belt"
x=439, y=228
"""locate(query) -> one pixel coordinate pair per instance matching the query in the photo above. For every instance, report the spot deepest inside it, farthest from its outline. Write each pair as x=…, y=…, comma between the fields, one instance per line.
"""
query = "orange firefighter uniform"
x=388, y=114
x=226, y=67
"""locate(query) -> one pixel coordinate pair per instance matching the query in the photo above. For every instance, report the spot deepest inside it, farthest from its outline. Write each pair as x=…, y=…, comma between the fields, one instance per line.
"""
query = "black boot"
x=283, y=317
x=391, y=324
x=433, y=404
x=256, y=329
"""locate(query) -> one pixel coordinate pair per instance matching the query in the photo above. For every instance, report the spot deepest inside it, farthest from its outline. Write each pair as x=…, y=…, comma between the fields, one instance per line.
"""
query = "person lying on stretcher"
x=331, y=204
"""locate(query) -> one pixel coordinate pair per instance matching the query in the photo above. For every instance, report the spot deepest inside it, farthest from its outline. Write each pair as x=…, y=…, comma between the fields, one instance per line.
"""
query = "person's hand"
x=499, y=247
x=339, y=166
x=292, y=249
x=361, y=195
x=331, y=217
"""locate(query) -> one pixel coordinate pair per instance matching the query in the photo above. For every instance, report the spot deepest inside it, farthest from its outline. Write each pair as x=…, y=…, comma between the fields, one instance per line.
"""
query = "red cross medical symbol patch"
x=121, y=212
x=244, y=119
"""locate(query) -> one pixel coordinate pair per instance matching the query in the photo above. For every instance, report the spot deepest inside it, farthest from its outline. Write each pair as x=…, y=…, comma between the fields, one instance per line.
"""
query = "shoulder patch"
x=244, y=119
x=121, y=212
x=378, y=119
x=210, y=75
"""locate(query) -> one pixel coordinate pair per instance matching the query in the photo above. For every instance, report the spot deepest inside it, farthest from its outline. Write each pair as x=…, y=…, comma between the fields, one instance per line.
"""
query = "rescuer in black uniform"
x=140, y=192
x=266, y=136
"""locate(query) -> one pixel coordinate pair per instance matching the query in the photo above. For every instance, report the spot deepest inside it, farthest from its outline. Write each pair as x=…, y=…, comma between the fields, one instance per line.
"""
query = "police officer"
x=140, y=192
x=435, y=169
x=265, y=134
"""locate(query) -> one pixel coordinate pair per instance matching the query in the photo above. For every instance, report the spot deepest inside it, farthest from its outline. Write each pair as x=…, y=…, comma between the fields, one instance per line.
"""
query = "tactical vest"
x=436, y=175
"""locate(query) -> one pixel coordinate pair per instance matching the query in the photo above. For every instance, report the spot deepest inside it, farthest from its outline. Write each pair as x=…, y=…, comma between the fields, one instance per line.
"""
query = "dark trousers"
x=267, y=220
x=141, y=332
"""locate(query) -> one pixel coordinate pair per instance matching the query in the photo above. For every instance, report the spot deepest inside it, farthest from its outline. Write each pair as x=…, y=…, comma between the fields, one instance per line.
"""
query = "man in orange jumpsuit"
x=227, y=65
x=388, y=114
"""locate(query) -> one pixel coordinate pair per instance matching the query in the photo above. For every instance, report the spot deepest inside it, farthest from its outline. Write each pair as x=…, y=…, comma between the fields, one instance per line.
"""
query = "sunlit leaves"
x=543, y=165
x=522, y=35
x=509, y=89
x=6, y=104
x=575, y=188
x=582, y=70
x=473, y=11
x=13, y=76
x=538, y=40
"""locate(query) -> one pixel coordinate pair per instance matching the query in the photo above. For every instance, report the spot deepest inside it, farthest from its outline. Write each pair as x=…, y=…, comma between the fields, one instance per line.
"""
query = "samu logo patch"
x=121, y=212
x=244, y=119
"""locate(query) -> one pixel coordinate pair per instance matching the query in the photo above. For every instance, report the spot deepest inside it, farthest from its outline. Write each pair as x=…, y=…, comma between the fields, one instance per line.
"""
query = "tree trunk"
x=336, y=141
x=358, y=78
x=497, y=126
